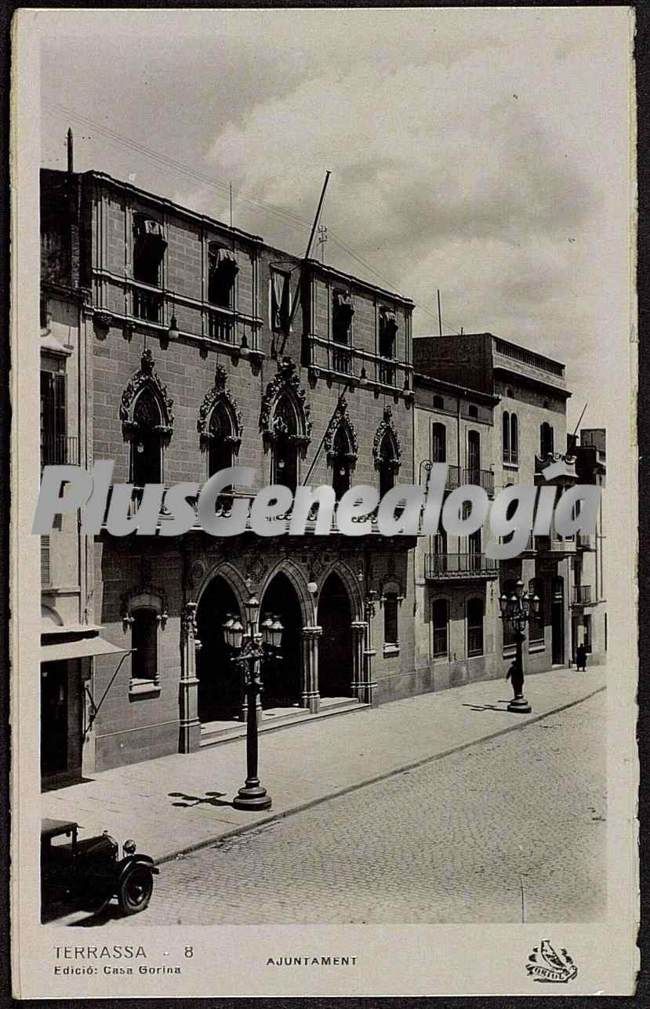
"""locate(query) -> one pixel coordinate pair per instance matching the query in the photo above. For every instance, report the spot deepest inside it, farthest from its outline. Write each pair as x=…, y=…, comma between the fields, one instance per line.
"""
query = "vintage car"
x=88, y=873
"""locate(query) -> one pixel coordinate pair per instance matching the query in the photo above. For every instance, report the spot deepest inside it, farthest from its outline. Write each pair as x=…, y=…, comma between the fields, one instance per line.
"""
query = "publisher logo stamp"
x=549, y=966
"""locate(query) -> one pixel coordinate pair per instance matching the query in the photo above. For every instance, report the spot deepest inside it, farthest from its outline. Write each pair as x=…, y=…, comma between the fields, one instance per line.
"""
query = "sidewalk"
x=180, y=802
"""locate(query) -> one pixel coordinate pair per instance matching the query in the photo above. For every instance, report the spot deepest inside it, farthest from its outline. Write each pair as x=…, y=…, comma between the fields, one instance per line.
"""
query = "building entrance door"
x=557, y=621
x=220, y=691
x=282, y=677
x=54, y=718
x=335, y=643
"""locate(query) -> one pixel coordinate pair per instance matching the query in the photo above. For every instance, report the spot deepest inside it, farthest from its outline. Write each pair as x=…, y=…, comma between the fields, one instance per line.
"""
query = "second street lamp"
x=250, y=651
x=516, y=611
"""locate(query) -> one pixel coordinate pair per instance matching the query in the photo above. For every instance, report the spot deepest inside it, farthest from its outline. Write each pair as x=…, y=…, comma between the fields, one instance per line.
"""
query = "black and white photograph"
x=324, y=635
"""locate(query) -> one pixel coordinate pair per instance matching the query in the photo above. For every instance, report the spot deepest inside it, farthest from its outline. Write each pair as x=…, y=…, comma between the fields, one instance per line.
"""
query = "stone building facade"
x=203, y=347
x=517, y=400
x=177, y=347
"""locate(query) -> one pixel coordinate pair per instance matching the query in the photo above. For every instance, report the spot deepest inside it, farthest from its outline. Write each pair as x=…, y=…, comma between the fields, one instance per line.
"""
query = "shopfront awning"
x=80, y=648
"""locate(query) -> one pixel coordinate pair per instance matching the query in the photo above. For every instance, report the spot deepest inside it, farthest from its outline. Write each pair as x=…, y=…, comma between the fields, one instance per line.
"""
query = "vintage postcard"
x=323, y=557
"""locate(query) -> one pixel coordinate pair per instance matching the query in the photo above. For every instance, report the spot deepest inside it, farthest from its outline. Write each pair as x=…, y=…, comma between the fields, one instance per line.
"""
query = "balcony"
x=342, y=359
x=459, y=475
x=220, y=327
x=581, y=595
x=386, y=372
x=59, y=450
x=147, y=305
x=585, y=541
x=457, y=566
x=555, y=546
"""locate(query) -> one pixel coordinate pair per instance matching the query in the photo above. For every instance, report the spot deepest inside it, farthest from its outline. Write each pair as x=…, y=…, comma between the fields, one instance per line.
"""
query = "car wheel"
x=135, y=890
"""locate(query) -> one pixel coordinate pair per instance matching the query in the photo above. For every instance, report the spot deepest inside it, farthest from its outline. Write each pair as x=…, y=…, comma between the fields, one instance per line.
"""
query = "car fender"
x=124, y=865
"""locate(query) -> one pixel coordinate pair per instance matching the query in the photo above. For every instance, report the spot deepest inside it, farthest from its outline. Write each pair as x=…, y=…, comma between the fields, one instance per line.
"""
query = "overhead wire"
x=179, y=167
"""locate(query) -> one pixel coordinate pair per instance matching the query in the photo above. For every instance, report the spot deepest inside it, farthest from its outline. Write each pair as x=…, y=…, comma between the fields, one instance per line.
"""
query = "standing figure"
x=516, y=676
x=581, y=658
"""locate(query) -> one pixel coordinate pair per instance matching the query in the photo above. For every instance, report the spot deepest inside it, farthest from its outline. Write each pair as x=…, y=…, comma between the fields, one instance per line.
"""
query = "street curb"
x=245, y=828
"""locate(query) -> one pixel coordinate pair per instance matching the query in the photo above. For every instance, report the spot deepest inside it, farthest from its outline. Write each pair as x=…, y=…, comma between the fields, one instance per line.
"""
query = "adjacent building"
x=497, y=413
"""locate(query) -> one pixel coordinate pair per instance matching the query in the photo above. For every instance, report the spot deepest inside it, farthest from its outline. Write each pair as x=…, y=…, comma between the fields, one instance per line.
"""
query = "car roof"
x=52, y=828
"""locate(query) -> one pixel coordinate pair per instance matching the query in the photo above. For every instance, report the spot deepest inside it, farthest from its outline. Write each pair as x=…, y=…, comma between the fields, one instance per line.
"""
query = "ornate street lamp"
x=516, y=611
x=250, y=650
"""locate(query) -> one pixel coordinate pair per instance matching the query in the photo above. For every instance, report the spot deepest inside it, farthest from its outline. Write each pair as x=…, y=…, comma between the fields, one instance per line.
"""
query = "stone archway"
x=283, y=678
x=336, y=648
x=220, y=695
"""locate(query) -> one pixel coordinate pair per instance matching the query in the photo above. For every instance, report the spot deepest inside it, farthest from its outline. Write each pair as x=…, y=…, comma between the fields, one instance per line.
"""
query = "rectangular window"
x=475, y=627
x=440, y=621
x=280, y=301
x=53, y=419
x=342, y=315
x=148, y=250
x=222, y=273
x=144, y=639
x=391, y=636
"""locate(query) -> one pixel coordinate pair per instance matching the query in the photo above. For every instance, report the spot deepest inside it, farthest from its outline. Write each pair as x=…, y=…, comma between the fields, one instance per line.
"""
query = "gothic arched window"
x=146, y=443
x=221, y=440
x=285, y=424
x=284, y=465
x=388, y=463
x=341, y=458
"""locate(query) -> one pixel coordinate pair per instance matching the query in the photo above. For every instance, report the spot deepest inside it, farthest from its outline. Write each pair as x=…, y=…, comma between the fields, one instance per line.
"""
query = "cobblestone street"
x=452, y=841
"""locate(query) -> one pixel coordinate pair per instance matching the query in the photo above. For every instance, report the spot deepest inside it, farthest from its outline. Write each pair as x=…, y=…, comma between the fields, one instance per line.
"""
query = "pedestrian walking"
x=581, y=658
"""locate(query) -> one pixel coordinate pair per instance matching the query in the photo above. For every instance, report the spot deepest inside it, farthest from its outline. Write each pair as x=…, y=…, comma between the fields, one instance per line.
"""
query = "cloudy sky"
x=484, y=153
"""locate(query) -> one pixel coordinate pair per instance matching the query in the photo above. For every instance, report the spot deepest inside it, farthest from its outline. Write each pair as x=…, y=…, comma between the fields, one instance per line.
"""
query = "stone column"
x=359, y=630
x=367, y=687
x=190, y=726
x=310, y=697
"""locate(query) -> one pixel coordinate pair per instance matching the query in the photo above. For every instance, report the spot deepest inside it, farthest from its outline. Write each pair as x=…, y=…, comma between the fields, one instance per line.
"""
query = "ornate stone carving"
x=387, y=427
x=285, y=384
x=188, y=621
x=146, y=378
x=255, y=567
x=220, y=394
x=341, y=418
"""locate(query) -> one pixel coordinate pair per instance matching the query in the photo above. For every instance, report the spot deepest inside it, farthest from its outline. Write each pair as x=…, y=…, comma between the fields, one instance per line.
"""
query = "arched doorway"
x=282, y=678
x=220, y=694
x=335, y=643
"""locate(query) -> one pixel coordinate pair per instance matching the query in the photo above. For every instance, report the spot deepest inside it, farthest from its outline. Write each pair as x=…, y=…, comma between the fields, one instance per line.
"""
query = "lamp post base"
x=252, y=797
x=519, y=705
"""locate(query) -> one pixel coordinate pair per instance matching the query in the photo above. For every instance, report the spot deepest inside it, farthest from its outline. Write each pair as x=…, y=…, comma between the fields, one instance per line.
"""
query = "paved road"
x=450, y=841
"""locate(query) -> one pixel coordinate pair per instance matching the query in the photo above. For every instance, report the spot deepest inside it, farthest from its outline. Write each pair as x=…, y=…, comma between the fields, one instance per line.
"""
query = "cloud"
x=467, y=147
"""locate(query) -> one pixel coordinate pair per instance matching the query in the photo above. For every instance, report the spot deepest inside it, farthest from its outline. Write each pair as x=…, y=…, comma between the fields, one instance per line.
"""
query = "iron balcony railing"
x=147, y=305
x=584, y=541
x=582, y=595
x=342, y=359
x=459, y=475
x=220, y=327
x=387, y=372
x=59, y=450
x=467, y=565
